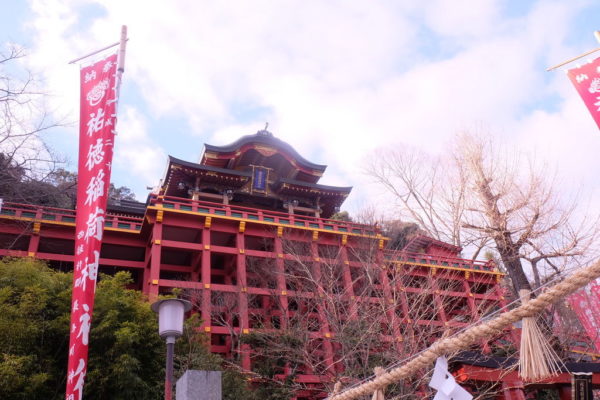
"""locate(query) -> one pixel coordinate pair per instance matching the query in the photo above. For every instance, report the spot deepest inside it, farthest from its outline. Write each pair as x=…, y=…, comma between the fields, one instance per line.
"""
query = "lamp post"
x=170, y=327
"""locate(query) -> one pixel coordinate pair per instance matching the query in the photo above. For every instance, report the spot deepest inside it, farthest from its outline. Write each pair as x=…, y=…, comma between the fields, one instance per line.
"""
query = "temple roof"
x=126, y=207
x=258, y=149
x=285, y=183
x=208, y=168
x=424, y=242
x=180, y=171
x=257, y=170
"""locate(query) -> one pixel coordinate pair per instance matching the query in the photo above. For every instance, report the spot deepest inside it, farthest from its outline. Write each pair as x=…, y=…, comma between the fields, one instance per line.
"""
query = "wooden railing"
x=268, y=216
x=438, y=260
x=64, y=216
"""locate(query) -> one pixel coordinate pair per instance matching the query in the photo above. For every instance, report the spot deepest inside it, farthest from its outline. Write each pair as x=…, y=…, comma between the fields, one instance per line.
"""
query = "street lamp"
x=170, y=327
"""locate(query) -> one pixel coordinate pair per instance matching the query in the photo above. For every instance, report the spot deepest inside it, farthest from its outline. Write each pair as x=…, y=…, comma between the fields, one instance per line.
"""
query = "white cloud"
x=136, y=156
x=461, y=18
x=334, y=79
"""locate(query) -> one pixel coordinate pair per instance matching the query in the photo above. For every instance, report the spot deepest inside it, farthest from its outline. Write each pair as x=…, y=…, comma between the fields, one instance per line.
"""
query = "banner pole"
x=573, y=59
x=94, y=53
x=597, y=36
x=120, y=43
x=122, y=48
x=121, y=62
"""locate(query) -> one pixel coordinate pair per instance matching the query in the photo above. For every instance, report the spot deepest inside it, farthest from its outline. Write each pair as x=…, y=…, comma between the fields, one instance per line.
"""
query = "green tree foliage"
x=342, y=216
x=400, y=233
x=33, y=303
x=63, y=186
x=120, y=193
x=126, y=356
x=56, y=189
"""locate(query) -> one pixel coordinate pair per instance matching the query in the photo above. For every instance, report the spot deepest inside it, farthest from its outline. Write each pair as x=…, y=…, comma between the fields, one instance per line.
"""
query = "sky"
x=335, y=79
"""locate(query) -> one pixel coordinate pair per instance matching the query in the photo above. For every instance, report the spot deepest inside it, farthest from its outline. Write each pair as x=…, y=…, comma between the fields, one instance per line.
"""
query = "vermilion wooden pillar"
x=565, y=392
x=439, y=304
x=325, y=329
x=242, y=283
x=392, y=318
x=280, y=278
x=470, y=299
x=196, y=274
x=513, y=391
x=146, y=272
x=473, y=307
x=406, y=320
x=282, y=294
x=34, y=239
x=347, y=276
x=206, y=279
x=155, y=254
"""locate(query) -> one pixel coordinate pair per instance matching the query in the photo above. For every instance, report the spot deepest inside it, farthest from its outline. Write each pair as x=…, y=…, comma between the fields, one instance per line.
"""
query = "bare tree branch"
x=483, y=194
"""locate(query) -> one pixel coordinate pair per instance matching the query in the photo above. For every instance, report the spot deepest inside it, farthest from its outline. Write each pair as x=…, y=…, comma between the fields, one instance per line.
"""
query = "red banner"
x=99, y=93
x=586, y=305
x=587, y=82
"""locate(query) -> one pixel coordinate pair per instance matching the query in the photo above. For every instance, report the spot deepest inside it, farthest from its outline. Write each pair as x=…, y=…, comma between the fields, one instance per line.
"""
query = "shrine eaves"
x=258, y=171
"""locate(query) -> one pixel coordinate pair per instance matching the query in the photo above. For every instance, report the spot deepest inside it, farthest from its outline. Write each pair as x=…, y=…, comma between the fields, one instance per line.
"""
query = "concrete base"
x=199, y=385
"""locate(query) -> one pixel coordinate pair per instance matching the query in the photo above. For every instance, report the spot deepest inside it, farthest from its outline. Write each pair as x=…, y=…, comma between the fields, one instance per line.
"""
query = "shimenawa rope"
x=475, y=333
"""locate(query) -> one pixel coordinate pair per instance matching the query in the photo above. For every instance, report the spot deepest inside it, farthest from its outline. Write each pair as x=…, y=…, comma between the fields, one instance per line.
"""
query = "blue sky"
x=335, y=79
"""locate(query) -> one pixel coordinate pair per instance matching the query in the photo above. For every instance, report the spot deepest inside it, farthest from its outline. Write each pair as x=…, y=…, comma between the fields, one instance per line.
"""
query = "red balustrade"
x=64, y=216
x=436, y=260
x=115, y=221
x=279, y=218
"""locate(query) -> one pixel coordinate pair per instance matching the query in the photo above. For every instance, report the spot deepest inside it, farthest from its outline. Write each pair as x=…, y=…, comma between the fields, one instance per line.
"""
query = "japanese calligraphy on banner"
x=586, y=305
x=587, y=82
x=99, y=92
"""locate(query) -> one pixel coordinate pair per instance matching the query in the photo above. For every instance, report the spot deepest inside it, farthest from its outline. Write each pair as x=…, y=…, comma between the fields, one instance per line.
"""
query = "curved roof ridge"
x=265, y=139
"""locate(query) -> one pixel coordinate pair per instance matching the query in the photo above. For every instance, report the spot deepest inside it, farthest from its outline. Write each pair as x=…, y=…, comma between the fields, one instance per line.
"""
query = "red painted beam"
x=172, y=244
x=472, y=372
x=12, y=253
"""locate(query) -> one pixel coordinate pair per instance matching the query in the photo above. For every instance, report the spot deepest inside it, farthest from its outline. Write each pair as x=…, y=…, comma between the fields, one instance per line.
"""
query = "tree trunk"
x=512, y=262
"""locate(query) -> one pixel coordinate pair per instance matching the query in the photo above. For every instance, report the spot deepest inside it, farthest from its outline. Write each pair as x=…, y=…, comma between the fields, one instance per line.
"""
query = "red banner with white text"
x=586, y=79
x=99, y=91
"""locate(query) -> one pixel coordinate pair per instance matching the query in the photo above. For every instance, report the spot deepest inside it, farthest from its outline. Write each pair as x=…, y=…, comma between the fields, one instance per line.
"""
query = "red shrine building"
x=251, y=237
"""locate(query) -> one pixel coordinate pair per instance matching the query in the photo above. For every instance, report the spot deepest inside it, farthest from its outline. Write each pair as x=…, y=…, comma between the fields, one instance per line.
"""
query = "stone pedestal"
x=199, y=385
